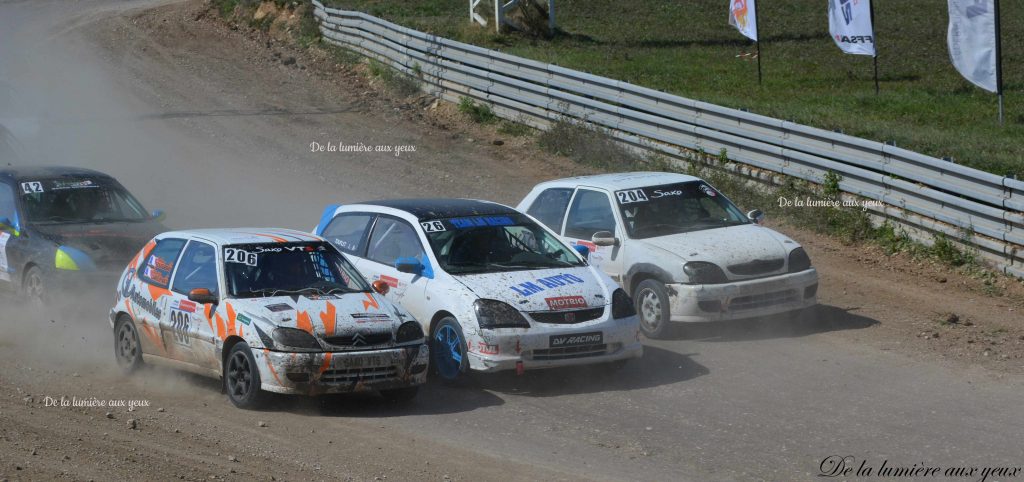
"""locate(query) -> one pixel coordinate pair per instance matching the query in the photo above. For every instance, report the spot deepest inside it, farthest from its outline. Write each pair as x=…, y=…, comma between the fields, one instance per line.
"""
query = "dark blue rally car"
x=65, y=228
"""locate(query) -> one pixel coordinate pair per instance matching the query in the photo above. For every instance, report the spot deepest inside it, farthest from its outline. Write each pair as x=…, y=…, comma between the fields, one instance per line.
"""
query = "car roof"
x=624, y=180
x=244, y=235
x=28, y=173
x=440, y=208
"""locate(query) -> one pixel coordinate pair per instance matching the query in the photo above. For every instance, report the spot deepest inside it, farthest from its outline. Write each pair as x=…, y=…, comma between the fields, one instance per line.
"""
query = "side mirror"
x=202, y=296
x=582, y=250
x=409, y=265
x=604, y=238
x=380, y=287
x=756, y=216
x=159, y=215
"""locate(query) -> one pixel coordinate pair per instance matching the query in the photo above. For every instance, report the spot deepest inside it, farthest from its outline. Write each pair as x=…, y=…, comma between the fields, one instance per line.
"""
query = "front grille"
x=757, y=266
x=353, y=375
x=359, y=340
x=760, y=301
x=567, y=317
x=569, y=352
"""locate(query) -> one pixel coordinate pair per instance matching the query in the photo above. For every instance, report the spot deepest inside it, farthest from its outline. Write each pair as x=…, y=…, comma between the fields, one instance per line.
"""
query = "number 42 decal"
x=31, y=187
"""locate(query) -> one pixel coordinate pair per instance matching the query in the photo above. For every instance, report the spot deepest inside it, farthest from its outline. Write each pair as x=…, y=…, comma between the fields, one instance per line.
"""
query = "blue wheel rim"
x=448, y=351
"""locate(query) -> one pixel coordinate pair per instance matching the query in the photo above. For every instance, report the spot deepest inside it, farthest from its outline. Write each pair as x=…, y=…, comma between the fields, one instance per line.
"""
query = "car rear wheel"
x=242, y=377
x=127, y=349
x=400, y=395
x=651, y=300
x=448, y=349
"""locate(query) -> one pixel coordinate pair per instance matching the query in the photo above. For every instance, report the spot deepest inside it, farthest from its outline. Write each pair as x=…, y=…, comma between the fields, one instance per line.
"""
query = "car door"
x=549, y=207
x=9, y=244
x=186, y=329
x=151, y=296
x=392, y=238
x=591, y=211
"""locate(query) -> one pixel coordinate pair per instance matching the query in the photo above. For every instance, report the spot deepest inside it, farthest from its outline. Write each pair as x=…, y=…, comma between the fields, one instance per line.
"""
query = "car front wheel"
x=242, y=377
x=33, y=288
x=127, y=349
x=448, y=349
x=651, y=301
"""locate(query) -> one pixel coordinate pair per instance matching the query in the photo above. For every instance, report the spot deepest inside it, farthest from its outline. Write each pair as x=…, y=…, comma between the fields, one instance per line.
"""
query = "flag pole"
x=999, y=63
x=757, y=33
x=874, y=41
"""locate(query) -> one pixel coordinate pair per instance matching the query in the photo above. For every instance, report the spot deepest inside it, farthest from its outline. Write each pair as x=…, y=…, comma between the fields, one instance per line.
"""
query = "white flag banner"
x=849, y=22
x=972, y=41
x=742, y=16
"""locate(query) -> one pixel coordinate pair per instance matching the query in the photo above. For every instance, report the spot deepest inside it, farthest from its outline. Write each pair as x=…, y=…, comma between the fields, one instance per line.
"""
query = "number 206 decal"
x=232, y=255
x=631, y=196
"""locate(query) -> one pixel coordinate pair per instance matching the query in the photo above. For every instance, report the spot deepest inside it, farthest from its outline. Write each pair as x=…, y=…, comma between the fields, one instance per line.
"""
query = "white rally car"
x=267, y=310
x=494, y=289
x=681, y=248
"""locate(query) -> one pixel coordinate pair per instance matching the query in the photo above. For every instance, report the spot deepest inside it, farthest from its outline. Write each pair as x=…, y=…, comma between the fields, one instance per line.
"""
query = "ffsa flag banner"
x=743, y=16
x=972, y=41
x=849, y=22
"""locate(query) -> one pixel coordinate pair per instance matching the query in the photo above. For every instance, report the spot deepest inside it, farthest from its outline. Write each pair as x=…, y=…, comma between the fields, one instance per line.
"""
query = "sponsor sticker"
x=530, y=288
x=187, y=306
x=4, y=274
x=245, y=320
x=631, y=196
x=707, y=190
x=577, y=339
x=485, y=349
x=391, y=281
x=279, y=307
x=478, y=221
x=58, y=185
x=566, y=302
x=370, y=317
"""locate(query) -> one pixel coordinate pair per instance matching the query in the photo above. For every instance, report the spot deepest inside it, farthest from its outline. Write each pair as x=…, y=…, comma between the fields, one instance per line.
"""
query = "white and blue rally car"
x=494, y=289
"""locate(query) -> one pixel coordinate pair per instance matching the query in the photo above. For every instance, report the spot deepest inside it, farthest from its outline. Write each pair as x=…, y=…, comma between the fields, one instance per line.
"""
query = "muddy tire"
x=242, y=378
x=34, y=288
x=127, y=349
x=448, y=351
x=400, y=395
x=652, y=306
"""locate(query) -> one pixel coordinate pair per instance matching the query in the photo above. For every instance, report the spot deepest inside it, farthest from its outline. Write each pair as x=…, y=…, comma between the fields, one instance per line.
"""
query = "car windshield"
x=314, y=269
x=508, y=242
x=79, y=200
x=675, y=208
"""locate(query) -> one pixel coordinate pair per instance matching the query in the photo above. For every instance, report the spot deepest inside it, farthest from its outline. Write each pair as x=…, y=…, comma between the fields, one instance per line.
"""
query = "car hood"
x=743, y=245
x=543, y=289
x=109, y=245
x=321, y=315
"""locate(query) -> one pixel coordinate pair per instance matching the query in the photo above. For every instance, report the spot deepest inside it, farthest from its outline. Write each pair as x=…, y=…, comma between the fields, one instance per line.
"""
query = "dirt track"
x=206, y=123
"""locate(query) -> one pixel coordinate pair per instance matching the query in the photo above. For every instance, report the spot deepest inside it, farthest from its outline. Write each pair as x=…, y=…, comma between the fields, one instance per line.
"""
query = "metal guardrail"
x=974, y=207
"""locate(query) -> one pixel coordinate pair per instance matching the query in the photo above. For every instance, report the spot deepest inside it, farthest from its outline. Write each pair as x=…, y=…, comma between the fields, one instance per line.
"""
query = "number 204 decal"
x=232, y=255
x=631, y=196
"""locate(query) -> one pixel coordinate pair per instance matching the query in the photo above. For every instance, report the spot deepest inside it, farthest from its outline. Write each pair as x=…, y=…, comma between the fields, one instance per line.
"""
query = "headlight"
x=409, y=331
x=622, y=305
x=71, y=259
x=704, y=273
x=799, y=261
x=294, y=338
x=495, y=314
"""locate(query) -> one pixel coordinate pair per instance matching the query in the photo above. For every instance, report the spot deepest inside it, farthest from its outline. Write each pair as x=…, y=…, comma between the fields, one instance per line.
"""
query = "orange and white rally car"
x=266, y=310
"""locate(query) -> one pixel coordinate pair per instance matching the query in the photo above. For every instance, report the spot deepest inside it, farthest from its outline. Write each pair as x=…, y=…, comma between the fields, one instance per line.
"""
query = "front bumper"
x=743, y=299
x=504, y=348
x=342, y=372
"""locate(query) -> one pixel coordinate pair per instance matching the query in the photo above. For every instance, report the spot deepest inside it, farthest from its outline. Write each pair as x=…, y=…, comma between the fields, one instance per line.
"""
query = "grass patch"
x=479, y=113
x=589, y=146
x=514, y=129
x=394, y=81
x=687, y=48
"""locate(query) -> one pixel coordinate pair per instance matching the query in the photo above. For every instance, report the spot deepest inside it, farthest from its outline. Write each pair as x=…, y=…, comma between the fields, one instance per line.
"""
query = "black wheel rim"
x=239, y=376
x=127, y=344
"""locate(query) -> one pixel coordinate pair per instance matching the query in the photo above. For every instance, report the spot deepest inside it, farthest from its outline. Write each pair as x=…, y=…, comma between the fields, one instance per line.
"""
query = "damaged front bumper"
x=342, y=372
x=743, y=299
